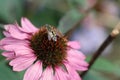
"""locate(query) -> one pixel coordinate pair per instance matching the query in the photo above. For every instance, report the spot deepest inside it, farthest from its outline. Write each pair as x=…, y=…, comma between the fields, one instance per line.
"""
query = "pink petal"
x=60, y=74
x=72, y=73
x=7, y=34
x=28, y=26
x=47, y=74
x=1, y=47
x=19, y=49
x=78, y=66
x=9, y=55
x=9, y=40
x=34, y=72
x=24, y=51
x=77, y=60
x=22, y=62
x=76, y=54
x=11, y=47
x=15, y=32
x=74, y=44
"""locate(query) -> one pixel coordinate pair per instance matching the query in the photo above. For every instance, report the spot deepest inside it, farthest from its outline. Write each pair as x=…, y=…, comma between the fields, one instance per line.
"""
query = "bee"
x=52, y=33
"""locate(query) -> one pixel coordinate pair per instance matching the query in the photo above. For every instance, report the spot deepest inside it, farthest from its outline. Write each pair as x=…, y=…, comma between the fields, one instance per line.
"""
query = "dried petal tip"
x=116, y=30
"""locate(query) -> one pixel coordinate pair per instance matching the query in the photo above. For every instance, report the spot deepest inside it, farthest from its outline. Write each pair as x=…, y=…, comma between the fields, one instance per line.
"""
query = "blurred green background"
x=93, y=21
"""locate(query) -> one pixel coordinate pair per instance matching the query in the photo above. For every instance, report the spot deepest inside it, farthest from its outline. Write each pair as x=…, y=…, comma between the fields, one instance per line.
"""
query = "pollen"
x=49, y=52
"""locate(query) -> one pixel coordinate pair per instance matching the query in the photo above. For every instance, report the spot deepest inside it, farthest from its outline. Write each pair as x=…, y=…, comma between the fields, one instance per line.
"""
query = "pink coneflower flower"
x=29, y=48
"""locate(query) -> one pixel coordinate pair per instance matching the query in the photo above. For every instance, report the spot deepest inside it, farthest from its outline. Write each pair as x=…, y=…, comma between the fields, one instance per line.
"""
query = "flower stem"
x=109, y=39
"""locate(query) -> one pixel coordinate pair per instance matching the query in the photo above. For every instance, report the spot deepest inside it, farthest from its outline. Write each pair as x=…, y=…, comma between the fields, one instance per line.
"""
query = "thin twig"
x=110, y=38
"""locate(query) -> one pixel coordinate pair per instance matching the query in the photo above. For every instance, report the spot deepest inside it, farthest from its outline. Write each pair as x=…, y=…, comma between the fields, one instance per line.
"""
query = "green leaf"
x=10, y=10
x=77, y=3
x=1, y=57
x=93, y=75
x=45, y=16
x=1, y=36
x=69, y=20
x=1, y=31
x=21, y=74
x=58, y=5
x=6, y=73
x=106, y=66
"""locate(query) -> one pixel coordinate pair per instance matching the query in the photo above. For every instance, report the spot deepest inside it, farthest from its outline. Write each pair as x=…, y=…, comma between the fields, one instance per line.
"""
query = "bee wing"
x=58, y=33
x=50, y=35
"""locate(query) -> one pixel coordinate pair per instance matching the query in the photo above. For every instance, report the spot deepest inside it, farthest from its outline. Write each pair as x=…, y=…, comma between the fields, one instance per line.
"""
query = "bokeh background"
x=89, y=22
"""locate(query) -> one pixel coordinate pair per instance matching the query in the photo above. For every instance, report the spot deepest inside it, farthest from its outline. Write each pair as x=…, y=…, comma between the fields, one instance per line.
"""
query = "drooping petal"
x=10, y=55
x=60, y=74
x=18, y=49
x=47, y=74
x=74, y=44
x=78, y=66
x=9, y=40
x=15, y=32
x=27, y=26
x=76, y=61
x=22, y=62
x=34, y=72
x=24, y=51
x=72, y=73
x=11, y=47
x=1, y=47
x=6, y=33
x=76, y=54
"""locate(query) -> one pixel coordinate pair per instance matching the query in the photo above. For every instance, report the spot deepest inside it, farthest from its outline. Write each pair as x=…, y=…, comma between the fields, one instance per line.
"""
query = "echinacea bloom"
x=28, y=48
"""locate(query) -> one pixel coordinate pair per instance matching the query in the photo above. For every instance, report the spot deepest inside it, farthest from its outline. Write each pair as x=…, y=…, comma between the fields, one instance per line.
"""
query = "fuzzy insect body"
x=52, y=33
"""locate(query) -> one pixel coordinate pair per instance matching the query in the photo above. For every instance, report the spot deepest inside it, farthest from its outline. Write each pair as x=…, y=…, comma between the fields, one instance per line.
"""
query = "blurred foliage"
x=10, y=10
x=1, y=36
x=93, y=75
x=100, y=68
x=46, y=16
x=69, y=20
x=63, y=14
x=77, y=3
x=1, y=30
x=6, y=72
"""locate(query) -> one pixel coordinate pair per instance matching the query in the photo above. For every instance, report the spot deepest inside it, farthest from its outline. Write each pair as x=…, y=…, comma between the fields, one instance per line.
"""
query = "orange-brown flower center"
x=50, y=52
